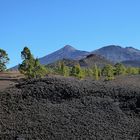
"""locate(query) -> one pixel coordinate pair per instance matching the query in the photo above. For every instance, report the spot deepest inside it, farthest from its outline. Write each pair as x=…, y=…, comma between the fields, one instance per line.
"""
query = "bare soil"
x=58, y=108
x=9, y=79
x=10, y=74
x=4, y=84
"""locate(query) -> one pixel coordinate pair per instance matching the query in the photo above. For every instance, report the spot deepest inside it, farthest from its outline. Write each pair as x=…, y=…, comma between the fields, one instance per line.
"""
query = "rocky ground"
x=57, y=108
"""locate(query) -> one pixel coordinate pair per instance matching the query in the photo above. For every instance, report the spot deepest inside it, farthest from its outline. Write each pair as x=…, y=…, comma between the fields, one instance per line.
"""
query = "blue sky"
x=47, y=25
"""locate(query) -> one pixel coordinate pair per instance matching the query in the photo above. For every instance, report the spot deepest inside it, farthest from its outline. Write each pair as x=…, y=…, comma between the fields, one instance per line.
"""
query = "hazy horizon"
x=47, y=25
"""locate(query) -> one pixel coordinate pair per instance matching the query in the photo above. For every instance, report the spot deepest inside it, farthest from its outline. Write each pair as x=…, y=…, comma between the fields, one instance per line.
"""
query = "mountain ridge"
x=113, y=53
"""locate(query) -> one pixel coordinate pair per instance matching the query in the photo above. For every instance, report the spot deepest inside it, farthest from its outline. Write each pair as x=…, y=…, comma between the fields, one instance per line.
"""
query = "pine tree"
x=77, y=71
x=138, y=70
x=39, y=71
x=108, y=72
x=99, y=72
x=132, y=71
x=87, y=72
x=63, y=69
x=120, y=69
x=31, y=67
x=4, y=59
x=96, y=72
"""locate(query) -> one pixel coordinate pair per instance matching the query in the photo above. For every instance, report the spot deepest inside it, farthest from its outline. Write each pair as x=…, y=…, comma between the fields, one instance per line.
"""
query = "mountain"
x=67, y=52
x=112, y=53
x=93, y=59
x=118, y=54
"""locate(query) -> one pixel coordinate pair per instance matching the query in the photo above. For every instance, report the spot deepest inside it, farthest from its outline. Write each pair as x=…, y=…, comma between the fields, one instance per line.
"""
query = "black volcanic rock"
x=118, y=54
x=67, y=52
x=58, y=108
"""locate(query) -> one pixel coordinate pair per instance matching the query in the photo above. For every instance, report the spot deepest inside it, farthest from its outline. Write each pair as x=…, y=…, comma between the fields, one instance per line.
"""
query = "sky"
x=47, y=25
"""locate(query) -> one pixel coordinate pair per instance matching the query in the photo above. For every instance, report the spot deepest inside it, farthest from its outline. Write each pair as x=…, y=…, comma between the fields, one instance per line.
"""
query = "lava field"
x=58, y=108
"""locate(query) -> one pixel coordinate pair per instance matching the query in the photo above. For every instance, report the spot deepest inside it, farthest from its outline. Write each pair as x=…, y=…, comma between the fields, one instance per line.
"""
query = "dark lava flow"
x=57, y=108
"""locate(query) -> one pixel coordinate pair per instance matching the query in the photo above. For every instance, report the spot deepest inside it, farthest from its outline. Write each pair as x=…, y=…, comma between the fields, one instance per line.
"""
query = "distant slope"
x=118, y=53
x=67, y=62
x=15, y=68
x=93, y=59
x=67, y=52
x=87, y=62
x=131, y=63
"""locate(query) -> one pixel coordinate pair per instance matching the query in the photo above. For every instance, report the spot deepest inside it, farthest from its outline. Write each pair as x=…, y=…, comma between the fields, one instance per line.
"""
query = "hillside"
x=93, y=59
x=87, y=62
x=67, y=62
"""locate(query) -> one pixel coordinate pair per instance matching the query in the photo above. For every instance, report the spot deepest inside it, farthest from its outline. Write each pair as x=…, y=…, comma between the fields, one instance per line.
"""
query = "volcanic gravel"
x=58, y=108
